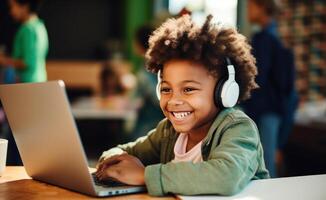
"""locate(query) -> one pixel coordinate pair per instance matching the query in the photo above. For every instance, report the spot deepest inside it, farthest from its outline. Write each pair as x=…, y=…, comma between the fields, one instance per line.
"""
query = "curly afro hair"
x=209, y=45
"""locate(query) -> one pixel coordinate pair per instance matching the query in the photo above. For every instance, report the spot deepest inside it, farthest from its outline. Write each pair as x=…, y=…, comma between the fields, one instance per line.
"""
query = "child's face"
x=187, y=96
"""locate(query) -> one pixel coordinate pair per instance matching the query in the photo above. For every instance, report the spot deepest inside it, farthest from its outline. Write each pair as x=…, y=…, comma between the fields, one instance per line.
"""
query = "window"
x=224, y=12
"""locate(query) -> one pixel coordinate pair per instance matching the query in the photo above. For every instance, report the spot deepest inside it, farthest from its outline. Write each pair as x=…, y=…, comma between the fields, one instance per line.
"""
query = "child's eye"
x=165, y=90
x=188, y=90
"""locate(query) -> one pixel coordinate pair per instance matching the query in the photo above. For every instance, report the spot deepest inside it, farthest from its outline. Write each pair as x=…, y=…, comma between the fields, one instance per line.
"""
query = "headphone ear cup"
x=217, y=93
x=227, y=90
x=229, y=94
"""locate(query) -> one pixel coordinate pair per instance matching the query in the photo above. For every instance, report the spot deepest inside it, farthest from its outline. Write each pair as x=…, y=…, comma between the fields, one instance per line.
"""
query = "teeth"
x=180, y=115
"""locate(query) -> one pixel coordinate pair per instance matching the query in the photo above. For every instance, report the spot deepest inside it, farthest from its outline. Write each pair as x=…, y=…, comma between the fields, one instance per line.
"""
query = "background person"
x=30, y=43
x=272, y=106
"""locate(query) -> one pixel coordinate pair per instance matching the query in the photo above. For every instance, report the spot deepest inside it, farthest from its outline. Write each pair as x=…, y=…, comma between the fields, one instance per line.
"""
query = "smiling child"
x=203, y=146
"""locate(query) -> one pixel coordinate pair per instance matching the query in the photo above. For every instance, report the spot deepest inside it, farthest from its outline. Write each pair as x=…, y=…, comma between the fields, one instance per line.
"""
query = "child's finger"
x=111, y=161
x=111, y=172
x=102, y=160
x=106, y=162
x=99, y=162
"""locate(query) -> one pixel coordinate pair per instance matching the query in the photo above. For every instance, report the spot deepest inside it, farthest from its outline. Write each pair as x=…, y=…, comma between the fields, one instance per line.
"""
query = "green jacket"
x=232, y=154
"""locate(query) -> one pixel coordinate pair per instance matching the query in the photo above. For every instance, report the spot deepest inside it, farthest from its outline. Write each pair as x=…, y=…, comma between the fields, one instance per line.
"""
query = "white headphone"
x=226, y=91
x=158, y=85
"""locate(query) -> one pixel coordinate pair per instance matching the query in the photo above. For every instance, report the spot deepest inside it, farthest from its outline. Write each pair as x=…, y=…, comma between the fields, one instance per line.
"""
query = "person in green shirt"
x=204, y=146
x=30, y=43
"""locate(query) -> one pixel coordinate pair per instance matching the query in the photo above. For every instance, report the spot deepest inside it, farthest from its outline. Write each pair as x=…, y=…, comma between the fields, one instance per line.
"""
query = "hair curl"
x=210, y=45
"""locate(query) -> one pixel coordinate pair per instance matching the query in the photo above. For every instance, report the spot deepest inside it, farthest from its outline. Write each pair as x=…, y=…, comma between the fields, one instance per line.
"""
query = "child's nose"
x=175, y=100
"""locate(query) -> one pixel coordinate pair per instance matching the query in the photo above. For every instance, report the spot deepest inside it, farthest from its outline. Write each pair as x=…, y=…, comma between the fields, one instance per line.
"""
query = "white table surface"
x=95, y=108
x=290, y=188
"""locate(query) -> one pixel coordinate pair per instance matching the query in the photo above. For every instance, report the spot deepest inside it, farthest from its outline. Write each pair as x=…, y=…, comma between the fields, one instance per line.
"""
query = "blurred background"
x=97, y=47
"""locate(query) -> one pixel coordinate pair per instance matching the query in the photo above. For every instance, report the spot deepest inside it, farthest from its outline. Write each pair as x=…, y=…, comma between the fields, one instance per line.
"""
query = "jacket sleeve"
x=146, y=148
x=229, y=168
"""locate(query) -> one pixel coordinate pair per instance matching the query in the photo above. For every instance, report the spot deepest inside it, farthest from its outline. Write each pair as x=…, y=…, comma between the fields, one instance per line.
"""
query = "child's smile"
x=180, y=117
x=187, y=96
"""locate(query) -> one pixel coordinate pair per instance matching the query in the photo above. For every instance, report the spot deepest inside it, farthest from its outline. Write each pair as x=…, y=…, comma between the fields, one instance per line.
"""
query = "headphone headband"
x=231, y=72
x=228, y=61
x=158, y=85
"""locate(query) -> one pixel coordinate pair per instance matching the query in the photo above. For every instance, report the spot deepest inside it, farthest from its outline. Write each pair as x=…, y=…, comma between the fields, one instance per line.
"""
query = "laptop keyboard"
x=107, y=183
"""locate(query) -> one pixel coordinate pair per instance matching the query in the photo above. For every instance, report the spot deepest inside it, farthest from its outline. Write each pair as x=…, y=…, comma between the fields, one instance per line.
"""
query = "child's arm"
x=126, y=162
x=146, y=148
x=231, y=165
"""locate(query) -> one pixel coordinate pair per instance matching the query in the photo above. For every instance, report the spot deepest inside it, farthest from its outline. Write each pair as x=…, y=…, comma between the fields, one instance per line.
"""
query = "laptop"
x=47, y=138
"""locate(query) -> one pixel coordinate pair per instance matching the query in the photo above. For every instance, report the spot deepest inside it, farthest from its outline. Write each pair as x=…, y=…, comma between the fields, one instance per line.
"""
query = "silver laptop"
x=47, y=138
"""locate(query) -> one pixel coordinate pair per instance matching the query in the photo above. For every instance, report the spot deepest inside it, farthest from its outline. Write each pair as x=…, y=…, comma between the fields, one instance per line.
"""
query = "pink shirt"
x=180, y=154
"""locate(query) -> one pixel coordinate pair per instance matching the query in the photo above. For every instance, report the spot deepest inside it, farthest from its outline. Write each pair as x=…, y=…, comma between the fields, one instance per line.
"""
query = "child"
x=202, y=147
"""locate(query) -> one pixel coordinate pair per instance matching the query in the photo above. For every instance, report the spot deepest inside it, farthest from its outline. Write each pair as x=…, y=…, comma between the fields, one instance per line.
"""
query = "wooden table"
x=76, y=74
x=16, y=184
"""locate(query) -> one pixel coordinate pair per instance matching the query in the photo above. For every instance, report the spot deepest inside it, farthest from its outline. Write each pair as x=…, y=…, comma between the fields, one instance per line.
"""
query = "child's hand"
x=105, y=162
x=124, y=168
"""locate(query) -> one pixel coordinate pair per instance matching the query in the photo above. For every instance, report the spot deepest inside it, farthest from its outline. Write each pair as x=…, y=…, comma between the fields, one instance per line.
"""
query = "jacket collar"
x=218, y=120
